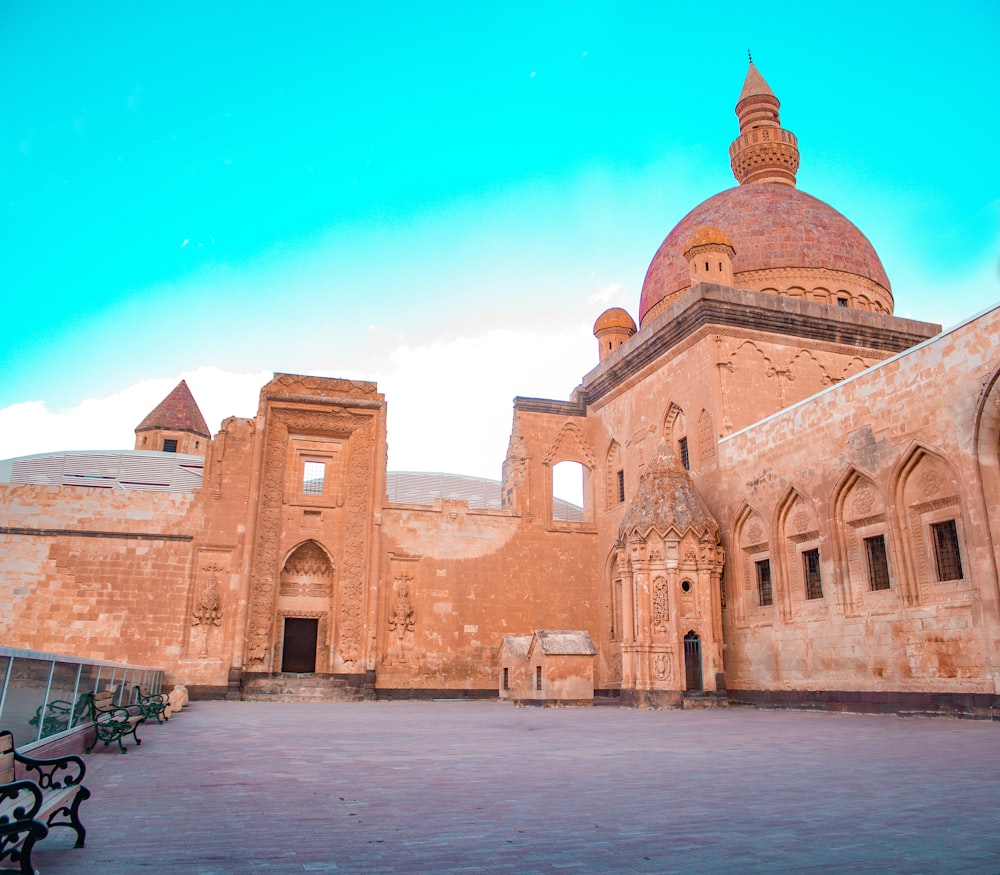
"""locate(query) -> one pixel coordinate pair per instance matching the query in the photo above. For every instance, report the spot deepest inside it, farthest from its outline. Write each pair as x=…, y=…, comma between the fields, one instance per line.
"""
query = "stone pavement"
x=484, y=787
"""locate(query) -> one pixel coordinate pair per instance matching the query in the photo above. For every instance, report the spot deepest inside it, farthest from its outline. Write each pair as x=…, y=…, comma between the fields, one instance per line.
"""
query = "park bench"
x=28, y=807
x=112, y=722
x=152, y=704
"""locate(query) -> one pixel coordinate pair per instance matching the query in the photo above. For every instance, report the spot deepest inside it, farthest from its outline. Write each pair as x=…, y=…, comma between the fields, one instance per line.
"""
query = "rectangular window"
x=878, y=563
x=506, y=678
x=764, y=595
x=841, y=302
x=946, y=553
x=621, y=486
x=538, y=677
x=810, y=568
x=682, y=445
x=169, y=445
x=313, y=474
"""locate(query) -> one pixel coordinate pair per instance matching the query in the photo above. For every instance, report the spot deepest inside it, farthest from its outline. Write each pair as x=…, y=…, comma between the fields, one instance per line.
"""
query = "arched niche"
x=928, y=497
x=863, y=538
x=753, y=584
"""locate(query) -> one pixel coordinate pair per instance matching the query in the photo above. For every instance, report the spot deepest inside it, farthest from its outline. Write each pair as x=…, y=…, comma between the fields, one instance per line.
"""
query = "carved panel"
x=661, y=607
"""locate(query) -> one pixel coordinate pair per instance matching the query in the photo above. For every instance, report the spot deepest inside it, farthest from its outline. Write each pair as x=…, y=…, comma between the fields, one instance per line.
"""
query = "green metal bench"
x=152, y=704
x=29, y=807
x=112, y=722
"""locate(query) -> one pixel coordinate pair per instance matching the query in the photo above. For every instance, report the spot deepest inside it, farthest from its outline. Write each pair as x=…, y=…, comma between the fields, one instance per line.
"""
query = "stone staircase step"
x=301, y=688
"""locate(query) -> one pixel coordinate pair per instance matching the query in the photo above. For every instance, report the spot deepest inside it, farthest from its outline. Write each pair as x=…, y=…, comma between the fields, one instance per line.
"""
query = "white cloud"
x=450, y=402
x=606, y=293
x=109, y=423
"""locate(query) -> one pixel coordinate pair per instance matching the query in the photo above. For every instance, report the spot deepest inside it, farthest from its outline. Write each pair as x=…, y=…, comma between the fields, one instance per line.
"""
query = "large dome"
x=766, y=235
x=773, y=227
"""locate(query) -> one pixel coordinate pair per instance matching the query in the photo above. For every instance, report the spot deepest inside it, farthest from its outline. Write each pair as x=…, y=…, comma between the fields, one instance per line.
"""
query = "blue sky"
x=439, y=196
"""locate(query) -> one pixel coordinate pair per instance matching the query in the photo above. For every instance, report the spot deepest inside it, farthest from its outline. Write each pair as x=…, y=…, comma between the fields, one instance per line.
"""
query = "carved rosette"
x=267, y=556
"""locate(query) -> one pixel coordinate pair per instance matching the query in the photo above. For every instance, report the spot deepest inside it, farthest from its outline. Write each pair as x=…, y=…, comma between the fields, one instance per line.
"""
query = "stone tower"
x=175, y=425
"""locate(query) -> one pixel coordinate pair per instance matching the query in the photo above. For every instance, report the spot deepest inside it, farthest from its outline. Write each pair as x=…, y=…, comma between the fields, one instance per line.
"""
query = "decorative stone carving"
x=662, y=666
x=401, y=619
x=754, y=533
x=863, y=500
x=930, y=482
x=207, y=612
x=570, y=444
x=307, y=572
x=661, y=607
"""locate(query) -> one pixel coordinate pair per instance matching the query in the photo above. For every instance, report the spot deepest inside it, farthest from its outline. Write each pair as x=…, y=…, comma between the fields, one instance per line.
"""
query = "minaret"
x=175, y=425
x=764, y=151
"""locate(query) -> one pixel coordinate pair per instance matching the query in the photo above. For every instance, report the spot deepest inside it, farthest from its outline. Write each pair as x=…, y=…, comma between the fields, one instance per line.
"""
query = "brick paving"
x=484, y=787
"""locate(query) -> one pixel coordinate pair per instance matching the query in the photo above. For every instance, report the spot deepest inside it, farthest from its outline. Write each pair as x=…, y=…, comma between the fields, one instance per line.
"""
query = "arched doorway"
x=692, y=662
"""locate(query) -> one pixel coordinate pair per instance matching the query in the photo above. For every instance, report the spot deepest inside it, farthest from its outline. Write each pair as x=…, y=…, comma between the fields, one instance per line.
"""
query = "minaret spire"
x=764, y=151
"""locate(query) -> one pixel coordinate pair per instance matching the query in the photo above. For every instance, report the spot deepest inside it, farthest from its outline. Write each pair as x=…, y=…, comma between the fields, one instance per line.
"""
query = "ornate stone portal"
x=319, y=448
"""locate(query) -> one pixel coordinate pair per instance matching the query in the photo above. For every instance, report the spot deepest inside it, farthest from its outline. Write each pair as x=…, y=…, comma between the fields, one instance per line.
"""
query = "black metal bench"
x=112, y=722
x=152, y=704
x=28, y=808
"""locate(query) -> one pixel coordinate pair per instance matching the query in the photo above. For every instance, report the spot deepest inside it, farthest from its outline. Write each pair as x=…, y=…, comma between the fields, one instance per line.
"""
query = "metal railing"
x=42, y=694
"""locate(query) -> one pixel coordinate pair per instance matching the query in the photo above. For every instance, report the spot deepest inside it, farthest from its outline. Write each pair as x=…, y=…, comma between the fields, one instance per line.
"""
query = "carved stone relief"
x=401, y=617
x=661, y=608
x=207, y=612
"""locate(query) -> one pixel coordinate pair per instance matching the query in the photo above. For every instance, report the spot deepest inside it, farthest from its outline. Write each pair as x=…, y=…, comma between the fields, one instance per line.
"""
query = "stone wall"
x=889, y=454
x=99, y=573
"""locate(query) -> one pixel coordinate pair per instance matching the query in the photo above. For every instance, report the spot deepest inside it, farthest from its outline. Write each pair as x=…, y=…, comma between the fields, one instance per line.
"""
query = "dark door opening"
x=298, y=649
x=692, y=662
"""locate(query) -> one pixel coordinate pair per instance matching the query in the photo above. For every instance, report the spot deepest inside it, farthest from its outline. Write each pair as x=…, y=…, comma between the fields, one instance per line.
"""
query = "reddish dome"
x=615, y=319
x=771, y=226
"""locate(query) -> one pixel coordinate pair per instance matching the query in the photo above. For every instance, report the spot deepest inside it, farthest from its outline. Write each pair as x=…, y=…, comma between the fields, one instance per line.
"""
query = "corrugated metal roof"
x=122, y=469
x=420, y=487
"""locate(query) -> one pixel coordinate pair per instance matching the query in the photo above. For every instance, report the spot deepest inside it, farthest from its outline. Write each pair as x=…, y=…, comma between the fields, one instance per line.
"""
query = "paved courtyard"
x=483, y=787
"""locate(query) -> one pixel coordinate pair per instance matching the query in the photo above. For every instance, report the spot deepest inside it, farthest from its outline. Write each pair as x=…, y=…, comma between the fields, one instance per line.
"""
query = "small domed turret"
x=709, y=252
x=612, y=328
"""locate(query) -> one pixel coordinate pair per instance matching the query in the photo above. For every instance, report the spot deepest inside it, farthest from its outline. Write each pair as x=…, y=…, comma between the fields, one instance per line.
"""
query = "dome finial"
x=764, y=151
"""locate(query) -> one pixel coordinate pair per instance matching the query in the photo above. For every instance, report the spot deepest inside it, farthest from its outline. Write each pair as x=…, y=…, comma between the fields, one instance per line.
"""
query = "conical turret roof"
x=177, y=412
x=666, y=500
x=754, y=86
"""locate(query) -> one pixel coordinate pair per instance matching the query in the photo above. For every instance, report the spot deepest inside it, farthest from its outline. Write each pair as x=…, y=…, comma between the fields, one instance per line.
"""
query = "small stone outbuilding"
x=551, y=667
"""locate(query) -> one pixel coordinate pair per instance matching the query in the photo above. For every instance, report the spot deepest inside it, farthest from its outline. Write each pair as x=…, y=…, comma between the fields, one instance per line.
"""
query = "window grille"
x=946, y=552
x=621, y=486
x=682, y=445
x=764, y=594
x=169, y=445
x=810, y=566
x=506, y=678
x=878, y=563
x=538, y=678
x=313, y=475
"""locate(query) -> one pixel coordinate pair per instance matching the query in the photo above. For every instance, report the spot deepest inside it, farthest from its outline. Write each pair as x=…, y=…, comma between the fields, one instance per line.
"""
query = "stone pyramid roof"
x=177, y=412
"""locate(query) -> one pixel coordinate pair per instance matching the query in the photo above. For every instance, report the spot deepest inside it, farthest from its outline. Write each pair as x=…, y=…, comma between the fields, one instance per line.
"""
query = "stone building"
x=790, y=496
